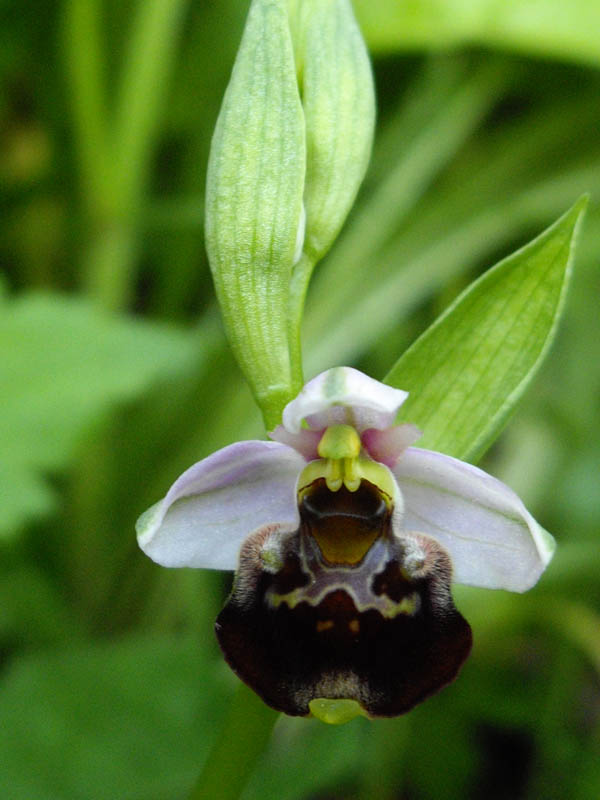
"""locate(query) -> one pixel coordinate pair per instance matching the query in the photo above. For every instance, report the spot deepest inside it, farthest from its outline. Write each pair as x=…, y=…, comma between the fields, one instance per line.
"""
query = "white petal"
x=216, y=503
x=492, y=539
x=344, y=395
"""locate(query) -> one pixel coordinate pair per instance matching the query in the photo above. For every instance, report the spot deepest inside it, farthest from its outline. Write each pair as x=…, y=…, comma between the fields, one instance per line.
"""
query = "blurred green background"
x=115, y=376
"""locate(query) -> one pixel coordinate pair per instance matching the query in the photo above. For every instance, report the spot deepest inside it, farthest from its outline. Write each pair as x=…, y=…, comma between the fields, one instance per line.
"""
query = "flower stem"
x=240, y=743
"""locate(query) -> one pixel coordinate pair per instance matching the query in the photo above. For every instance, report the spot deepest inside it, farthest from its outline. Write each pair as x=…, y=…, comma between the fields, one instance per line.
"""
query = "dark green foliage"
x=111, y=685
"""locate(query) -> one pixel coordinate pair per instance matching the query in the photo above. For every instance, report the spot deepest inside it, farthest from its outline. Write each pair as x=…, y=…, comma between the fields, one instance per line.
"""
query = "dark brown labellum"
x=343, y=608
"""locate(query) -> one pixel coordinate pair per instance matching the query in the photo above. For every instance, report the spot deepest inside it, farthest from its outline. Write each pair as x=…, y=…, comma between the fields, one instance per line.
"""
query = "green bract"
x=469, y=369
x=293, y=136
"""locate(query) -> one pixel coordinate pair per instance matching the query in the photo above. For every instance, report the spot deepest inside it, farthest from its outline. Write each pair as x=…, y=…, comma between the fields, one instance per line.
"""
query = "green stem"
x=116, y=145
x=272, y=404
x=148, y=64
x=85, y=73
x=240, y=743
x=108, y=265
x=385, y=747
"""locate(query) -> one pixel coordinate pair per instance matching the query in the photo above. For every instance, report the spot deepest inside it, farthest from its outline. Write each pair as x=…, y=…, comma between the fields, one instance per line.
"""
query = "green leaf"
x=545, y=27
x=254, y=203
x=64, y=363
x=131, y=720
x=468, y=370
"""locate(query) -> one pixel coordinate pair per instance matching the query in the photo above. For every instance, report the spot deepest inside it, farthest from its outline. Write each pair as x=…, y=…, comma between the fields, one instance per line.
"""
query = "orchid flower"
x=345, y=539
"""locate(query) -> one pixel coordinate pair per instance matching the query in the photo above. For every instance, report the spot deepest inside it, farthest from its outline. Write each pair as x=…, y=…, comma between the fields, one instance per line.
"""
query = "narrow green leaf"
x=254, y=202
x=151, y=51
x=545, y=27
x=63, y=364
x=468, y=370
x=84, y=57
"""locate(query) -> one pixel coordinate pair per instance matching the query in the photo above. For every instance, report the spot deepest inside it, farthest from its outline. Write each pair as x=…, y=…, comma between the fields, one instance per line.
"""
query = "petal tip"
x=147, y=524
x=493, y=540
x=547, y=546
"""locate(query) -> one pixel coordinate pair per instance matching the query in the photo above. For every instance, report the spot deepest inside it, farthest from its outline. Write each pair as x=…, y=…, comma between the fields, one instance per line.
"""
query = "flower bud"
x=289, y=151
x=254, y=198
x=338, y=99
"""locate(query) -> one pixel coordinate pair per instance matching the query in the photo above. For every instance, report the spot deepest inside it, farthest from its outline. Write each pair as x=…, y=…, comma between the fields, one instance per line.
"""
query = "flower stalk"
x=240, y=743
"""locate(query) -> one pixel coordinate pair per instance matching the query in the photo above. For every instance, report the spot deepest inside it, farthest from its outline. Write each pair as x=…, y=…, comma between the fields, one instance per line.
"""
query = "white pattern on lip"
x=355, y=580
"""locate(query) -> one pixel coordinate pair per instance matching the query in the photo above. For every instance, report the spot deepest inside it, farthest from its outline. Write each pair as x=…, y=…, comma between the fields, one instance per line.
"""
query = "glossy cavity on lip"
x=343, y=523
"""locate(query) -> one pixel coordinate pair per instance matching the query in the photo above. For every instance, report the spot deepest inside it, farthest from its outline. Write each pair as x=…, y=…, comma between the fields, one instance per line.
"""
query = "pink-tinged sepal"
x=304, y=441
x=386, y=446
x=343, y=396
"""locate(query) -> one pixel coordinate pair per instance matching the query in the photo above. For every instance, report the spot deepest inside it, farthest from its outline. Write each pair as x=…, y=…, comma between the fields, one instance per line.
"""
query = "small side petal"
x=387, y=446
x=211, y=508
x=343, y=395
x=305, y=442
x=492, y=539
